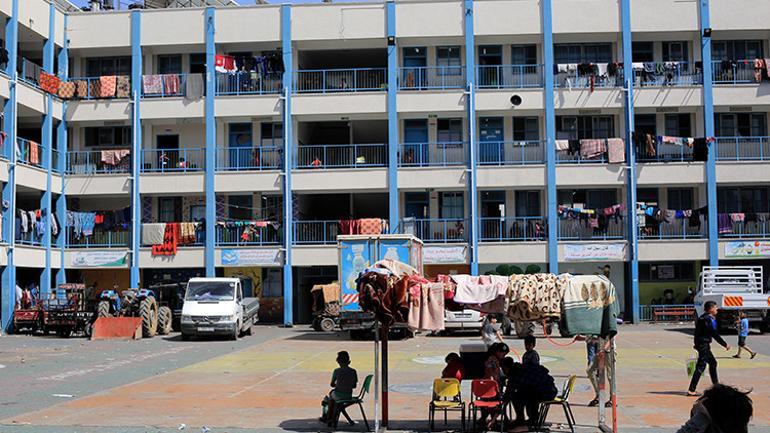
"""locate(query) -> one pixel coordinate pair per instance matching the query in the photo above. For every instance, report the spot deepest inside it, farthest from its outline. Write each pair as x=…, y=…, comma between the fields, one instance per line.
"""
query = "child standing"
x=743, y=333
x=530, y=356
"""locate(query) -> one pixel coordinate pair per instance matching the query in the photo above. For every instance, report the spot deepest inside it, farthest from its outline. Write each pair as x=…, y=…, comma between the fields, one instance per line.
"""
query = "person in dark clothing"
x=705, y=332
x=527, y=385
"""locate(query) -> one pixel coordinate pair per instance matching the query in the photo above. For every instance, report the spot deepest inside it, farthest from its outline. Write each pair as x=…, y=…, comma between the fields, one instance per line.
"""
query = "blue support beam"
x=550, y=139
x=211, y=142
x=288, y=159
x=631, y=223
x=61, y=146
x=470, y=89
x=7, y=288
x=46, y=201
x=393, y=198
x=708, y=125
x=136, y=141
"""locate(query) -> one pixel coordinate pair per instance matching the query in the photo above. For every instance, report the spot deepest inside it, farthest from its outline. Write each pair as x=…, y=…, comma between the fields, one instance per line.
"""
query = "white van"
x=216, y=306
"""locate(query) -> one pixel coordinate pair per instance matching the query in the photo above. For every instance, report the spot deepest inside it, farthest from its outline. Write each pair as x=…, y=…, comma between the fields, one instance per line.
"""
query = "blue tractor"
x=136, y=303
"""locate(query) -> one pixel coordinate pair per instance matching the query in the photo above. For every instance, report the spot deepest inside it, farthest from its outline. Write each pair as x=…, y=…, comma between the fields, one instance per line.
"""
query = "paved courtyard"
x=273, y=381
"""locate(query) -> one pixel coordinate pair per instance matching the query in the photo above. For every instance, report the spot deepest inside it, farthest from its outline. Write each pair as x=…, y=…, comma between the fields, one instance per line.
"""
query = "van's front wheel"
x=236, y=331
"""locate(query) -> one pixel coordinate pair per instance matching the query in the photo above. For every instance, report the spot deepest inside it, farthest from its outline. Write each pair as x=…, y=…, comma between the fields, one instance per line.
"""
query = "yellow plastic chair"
x=563, y=401
x=446, y=398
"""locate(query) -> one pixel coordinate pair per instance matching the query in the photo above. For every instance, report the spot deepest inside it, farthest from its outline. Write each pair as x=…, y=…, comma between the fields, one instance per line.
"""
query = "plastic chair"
x=446, y=398
x=486, y=396
x=563, y=401
x=341, y=405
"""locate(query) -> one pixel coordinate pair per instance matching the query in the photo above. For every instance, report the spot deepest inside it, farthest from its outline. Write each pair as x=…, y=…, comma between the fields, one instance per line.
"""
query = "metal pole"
x=386, y=331
x=613, y=389
x=376, y=377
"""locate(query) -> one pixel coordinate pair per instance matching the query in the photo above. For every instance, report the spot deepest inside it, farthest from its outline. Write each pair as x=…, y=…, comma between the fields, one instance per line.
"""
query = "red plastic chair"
x=486, y=396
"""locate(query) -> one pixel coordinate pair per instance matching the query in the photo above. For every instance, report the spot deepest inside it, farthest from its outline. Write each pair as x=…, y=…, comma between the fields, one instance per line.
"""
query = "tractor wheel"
x=103, y=309
x=524, y=328
x=326, y=324
x=148, y=311
x=164, y=320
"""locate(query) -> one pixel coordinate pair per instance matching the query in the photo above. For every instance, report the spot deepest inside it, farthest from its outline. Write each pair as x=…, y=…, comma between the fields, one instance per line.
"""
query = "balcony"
x=443, y=154
x=663, y=153
x=99, y=239
x=29, y=72
x=249, y=159
x=681, y=229
x=198, y=241
x=31, y=237
x=519, y=152
x=729, y=228
x=330, y=156
x=431, y=78
x=29, y=152
x=436, y=230
x=242, y=233
x=248, y=83
x=172, y=160
x=510, y=76
x=90, y=88
x=341, y=80
x=743, y=148
x=577, y=76
x=661, y=74
x=733, y=72
x=99, y=162
x=576, y=230
x=316, y=232
x=512, y=229
x=166, y=85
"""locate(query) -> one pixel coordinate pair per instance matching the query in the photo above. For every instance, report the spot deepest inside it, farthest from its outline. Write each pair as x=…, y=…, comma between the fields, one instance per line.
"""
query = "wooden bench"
x=679, y=313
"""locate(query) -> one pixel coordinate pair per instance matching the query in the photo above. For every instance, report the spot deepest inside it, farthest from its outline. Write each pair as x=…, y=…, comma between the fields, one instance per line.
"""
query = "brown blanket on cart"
x=536, y=296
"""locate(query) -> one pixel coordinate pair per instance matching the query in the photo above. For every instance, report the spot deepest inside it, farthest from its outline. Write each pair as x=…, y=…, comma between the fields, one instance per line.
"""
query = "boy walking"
x=743, y=333
x=705, y=332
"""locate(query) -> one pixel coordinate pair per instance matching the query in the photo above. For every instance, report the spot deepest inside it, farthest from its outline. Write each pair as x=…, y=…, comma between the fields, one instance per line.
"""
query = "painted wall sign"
x=747, y=249
x=97, y=259
x=595, y=252
x=444, y=255
x=251, y=257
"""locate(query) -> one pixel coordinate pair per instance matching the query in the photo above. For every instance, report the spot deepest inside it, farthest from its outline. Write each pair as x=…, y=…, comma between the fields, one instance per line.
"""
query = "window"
x=669, y=271
x=492, y=203
x=584, y=127
x=416, y=204
x=678, y=125
x=642, y=51
x=645, y=124
x=169, y=209
x=271, y=134
x=451, y=205
x=450, y=131
x=744, y=199
x=272, y=283
x=524, y=55
x=198, y=63
x=741, y=124
x=527, y=203
x=526, y=128
x=591, y=199
x=197, y=212
x=647, y=195
x=97, y=136
x=583, y=53
x=736, y=50
x=448, y=58
x=170, y=64
x=98, y=66
x=680, y=198
x=675, y=51
x=490, y=55
x=239, y=207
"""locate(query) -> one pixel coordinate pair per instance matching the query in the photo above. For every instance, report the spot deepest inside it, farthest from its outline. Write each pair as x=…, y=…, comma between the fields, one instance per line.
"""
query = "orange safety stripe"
x=733, y=301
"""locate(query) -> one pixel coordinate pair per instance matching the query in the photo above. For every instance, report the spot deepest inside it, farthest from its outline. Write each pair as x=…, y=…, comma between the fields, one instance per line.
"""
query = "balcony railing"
x=431, y=78
x=729, y=72
x=743, y=148
x=576, y=229
x=248, y=83
x=658, y=74
x=341, y=80
x=29, y=72
x=742, y=229
x=316, y=232
x=326, y=156
x=664, y=153
x=441, y=154
x=436, y=230
x=99, y=239
x=198, y=241
x=30, y=153
x=510, y=76
x=98, y=162
x=234, y=235
x=681, y=229
x=519, y=152
x=250, y=158
x=165, y=85
x=91, y=88
x=569, y=77
x=29, y=238
x=512, y=229
x=172, y=160
x=563, y=157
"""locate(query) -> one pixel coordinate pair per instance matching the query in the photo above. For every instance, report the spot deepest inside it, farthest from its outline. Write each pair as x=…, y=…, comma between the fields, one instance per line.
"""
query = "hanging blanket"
x=370, y=226
x=535, y=296
x=479, y=290
x=67, y=89
x=81, y=89
x=171, y=84
x=107, y=86
x=152, y=84
x=152, y=234
x=590, y=306
x=49, y=83
x=123, y=87
x=170, y=241
x=616, y=151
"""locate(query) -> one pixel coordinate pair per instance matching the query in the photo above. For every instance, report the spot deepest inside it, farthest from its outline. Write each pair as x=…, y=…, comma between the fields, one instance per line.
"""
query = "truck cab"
x=216, y=306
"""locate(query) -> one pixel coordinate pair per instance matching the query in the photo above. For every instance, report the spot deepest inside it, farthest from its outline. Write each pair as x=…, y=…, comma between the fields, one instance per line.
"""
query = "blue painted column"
x=61, y=146
x=136, y=143
x=708, y=125
x=550, y=140
x=47, y=142
x=288, y=160
x=631, y=223
x=211, y=142
x=393, y=197
x=470, y=89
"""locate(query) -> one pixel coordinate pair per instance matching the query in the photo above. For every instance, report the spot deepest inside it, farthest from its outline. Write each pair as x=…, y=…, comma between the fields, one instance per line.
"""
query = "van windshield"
x=210, y=291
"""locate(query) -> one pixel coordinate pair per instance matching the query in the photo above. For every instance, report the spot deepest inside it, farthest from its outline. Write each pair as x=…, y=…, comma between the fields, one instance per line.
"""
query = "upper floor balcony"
x=744, y=225
x=509, y=76
x=97, y=88
x=100, y=238
x=663, y=152
x=517, y=152
x=743, y=148
x=249, y=158
x=512, y=229
x=329, y=156
x=582, y=229
x=247, y=233
x=172, y=85
x=181, y=160
x=34, y=154
x=662, y=74
x=440, y=154
x=735, y=72
x=106, y=161
x=431, y=78
x=29, y=72
x=585, y=75
x=683, y=228
x=436, y=230
x=248, y=83
x=341, y=80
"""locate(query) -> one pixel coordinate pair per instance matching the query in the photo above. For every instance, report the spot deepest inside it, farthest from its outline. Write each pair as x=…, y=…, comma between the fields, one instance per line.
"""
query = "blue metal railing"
x=563, y=157
x=248, y=83
x=31, y=237
x=680, y=229
x=575, y=229
x=99, y=239
x=436, y=230
x=323, y=156
x=658, y=74
x=744, y=229
x=200, y=239
x=316, y=232
x=93, y=162
x=172, y=160
x=743, y=148
x=442, y=154
x=647, y=313
x=90, y=88
x=341, y=80
x=164, y=85
x=729, y=72
x=499, y=229
x=519, y=152
x=567, y=77
x=431, y=78
x=664, y=153
x=29, y=153
x=510, y=76
x=234, y=234
x=249, y=158
x=29, y=72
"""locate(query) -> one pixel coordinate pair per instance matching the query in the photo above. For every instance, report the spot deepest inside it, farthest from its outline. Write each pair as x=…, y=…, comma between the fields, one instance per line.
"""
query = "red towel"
x=170, y=241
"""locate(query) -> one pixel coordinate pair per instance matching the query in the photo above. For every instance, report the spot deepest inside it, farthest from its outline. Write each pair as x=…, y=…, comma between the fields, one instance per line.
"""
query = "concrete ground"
x=273, y=381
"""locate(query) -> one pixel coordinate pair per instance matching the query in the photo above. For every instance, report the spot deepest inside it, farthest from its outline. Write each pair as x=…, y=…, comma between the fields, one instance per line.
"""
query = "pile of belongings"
x=535, y=297
x=590, y=306
x=326, y=299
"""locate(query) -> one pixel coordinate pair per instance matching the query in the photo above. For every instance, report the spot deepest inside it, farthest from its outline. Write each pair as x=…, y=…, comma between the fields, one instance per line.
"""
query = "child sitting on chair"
x=344, y=381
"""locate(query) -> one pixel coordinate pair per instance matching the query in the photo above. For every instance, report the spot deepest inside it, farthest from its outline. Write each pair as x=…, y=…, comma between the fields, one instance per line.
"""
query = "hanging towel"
x=107, y=85
x=432, y=307
x=171, y=84
x=616, y=151
x=725, y=224
x=593, y=148
x=49, y=83
x=737, y=217
x=170, y=241
x=224, y=63
x=34, y=153
x=152, y=234
x=123, y=87
x=152, y=84
x=562, y=145
x=194, y=87
x=88, y=222
x=113, y=157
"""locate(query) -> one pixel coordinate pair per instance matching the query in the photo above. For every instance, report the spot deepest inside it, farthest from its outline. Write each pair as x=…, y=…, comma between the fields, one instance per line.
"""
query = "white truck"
x=216, y=306
x=734, y=288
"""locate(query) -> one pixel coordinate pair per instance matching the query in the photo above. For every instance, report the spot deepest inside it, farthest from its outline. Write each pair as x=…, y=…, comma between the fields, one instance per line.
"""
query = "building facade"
x=621, y=137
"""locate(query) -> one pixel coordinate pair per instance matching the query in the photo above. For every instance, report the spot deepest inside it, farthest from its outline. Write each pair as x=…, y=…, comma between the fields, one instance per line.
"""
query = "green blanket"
x=590, y=306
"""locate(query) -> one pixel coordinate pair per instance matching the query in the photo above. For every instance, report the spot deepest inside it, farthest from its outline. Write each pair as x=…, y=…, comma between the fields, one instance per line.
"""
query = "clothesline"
x=647, y=214
x=34, y=222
